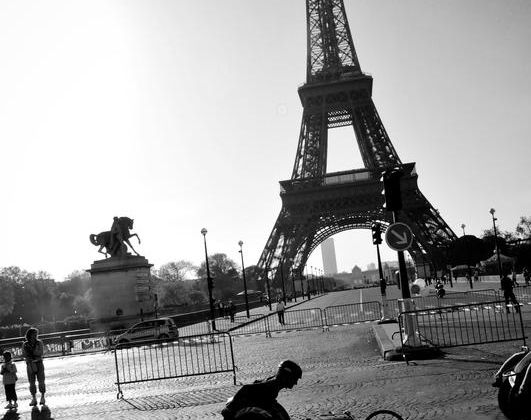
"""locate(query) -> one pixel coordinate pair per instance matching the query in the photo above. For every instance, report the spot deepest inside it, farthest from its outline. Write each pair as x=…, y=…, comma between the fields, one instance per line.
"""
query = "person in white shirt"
x=280, y=311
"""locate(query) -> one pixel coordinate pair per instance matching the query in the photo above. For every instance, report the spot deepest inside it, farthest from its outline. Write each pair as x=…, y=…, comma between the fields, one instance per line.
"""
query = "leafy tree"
x=177, y=270
x=7, y=296
x=225, y=275
x=468, y=250
x=523, y=229
x=82, y=304
x=502, y=234
x=172, y=293
x=252, y=277
x=197, y=297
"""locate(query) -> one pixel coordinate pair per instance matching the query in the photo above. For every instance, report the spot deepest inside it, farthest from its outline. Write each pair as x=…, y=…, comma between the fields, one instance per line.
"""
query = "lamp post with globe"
x=492, y=211
x=244, y=281
x=209, y=283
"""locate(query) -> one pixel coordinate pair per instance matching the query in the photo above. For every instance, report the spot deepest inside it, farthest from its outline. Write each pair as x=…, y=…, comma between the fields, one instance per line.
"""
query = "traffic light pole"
x=404, y=286
x=377, y=240
x=393, y=202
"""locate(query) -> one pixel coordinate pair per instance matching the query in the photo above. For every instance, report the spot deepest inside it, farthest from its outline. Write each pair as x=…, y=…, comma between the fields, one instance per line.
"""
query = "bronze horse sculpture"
x=114, y=241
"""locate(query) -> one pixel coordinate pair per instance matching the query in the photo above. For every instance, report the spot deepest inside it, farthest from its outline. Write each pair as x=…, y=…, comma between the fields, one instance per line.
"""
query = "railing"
x=311, y=318
x=450, y=299
x=463, y=325
x=63, y=344
x=299, y=319
x=81, y=342
x=166, y=359
x=523, y=294
x=352, y=313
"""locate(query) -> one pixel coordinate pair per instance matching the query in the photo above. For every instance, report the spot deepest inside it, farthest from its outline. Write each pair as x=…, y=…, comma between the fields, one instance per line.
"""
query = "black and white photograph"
x=265, y=210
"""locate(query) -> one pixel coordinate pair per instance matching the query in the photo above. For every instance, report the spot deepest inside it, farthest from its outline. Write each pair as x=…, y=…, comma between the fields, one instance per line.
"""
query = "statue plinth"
x=121, y=286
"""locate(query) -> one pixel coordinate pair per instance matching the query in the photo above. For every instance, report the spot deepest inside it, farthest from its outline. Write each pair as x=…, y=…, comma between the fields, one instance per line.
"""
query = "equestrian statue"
x=114, y=241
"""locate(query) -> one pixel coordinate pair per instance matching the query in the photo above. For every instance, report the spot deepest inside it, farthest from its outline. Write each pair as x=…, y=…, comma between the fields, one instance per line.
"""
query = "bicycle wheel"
x=384, y=415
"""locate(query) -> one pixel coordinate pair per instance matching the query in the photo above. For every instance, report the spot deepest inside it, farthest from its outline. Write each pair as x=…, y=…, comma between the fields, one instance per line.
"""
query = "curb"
x=387, y=348
x=393, y=351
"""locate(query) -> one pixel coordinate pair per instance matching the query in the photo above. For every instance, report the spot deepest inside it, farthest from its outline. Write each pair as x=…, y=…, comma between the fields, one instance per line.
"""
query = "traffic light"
x=393, y=195
x=376, y=233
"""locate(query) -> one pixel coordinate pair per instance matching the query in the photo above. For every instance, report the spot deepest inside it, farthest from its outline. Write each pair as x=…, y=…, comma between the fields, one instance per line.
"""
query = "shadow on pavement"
x=43, y=414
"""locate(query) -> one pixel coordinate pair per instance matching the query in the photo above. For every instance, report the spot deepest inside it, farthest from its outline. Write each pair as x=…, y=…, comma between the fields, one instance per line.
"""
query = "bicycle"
x=278, y=412
x=375, y=415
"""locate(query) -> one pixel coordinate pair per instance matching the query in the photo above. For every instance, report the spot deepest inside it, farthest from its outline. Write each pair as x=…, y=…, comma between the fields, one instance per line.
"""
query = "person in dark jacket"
x=32, y=351
x=262, y=395
x=508, y=294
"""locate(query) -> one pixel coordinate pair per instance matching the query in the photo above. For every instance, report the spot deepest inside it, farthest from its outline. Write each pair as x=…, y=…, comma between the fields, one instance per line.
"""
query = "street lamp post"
x=268, y=291
x=209, y=283
x=282, y=279
x=463, y=227
x=294, y=292
x=492, y=211
x=244, y=281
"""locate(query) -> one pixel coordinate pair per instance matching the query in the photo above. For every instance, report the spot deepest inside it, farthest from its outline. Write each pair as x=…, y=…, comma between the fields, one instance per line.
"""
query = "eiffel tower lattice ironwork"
x=317, y=204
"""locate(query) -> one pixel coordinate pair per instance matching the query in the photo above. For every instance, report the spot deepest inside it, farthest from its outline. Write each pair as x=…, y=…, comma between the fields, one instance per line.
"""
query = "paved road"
x=342, y=370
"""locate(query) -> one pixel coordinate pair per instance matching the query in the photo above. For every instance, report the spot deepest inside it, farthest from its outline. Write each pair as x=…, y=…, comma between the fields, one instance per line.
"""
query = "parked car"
x=152, y=329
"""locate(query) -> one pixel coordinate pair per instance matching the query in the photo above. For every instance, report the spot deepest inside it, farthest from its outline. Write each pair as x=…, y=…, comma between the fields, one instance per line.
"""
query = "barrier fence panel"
x=225, y=324
x=464, y=325
x=202, y=327
x=352, y=313
x=88, y=343
x=257, y=325
x=523, y=294
x=469, y=297
x=450, y=299
x=165, y=359
x=296, y=320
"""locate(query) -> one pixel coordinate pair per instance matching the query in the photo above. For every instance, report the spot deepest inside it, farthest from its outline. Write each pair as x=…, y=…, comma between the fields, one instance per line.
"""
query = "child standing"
x=32, y=350
x=9, y=378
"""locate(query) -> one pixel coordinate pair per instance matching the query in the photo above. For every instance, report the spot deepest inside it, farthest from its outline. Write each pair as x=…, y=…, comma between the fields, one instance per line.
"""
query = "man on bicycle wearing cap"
x=259, y=399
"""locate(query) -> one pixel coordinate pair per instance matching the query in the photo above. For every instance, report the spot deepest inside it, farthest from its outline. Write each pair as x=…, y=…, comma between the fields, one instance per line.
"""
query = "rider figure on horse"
x=116, y=235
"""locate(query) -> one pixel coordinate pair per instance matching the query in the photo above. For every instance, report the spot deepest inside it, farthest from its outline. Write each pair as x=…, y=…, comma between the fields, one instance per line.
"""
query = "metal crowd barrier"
x=352, y=313
x=258, y=325
x=194, y=355
x=464, y=325
x=522, y=294
x=449, y=299
x=298, y=319
x=311, y=318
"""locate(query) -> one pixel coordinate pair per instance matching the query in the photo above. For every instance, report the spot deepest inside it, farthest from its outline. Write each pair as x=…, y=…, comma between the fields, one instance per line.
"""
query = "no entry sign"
x=399, y=236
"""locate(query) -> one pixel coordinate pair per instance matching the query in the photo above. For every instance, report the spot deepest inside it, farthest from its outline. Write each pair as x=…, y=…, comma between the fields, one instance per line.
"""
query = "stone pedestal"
x=121, y=286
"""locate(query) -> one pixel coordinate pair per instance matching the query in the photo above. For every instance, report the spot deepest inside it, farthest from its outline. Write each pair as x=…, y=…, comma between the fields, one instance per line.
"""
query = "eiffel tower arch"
x=317, y=204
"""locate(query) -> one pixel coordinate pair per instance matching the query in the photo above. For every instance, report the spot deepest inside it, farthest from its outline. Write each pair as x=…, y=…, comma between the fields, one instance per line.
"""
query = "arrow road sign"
x=399, y=236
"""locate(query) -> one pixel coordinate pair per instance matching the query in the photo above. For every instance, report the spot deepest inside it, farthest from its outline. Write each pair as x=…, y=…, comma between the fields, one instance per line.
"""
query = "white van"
x=153, y=329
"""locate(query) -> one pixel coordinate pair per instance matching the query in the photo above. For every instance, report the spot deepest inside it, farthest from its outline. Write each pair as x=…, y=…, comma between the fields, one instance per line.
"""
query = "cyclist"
x=259, y=399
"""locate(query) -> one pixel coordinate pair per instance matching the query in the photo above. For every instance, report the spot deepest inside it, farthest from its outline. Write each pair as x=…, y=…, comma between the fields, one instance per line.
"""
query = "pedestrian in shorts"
x=9, y=378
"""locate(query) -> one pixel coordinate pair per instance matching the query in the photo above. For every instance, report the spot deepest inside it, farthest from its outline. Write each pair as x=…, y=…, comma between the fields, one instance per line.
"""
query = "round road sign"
x=399, y=236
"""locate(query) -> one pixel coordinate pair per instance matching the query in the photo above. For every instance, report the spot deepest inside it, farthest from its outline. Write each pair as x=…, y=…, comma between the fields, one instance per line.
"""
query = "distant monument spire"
x=328, y=251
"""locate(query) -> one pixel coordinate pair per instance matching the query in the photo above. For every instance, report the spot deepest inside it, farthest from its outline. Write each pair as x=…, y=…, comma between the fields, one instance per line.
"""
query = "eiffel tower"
x=317, y=204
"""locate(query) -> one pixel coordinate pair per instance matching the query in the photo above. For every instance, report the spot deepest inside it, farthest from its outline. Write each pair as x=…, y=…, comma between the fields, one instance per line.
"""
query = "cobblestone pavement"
x=342, y=370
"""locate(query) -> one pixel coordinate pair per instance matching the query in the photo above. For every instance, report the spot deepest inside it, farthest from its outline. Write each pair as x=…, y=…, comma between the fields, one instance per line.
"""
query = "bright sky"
x=184, y=115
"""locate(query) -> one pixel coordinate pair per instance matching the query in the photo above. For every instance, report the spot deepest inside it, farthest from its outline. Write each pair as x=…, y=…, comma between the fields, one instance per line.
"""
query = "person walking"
x=527, y=276
x=515, y=283
x=232, y=310
x=508, y=293
x=9, y=378
x=280, y=311
x=32, y=351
